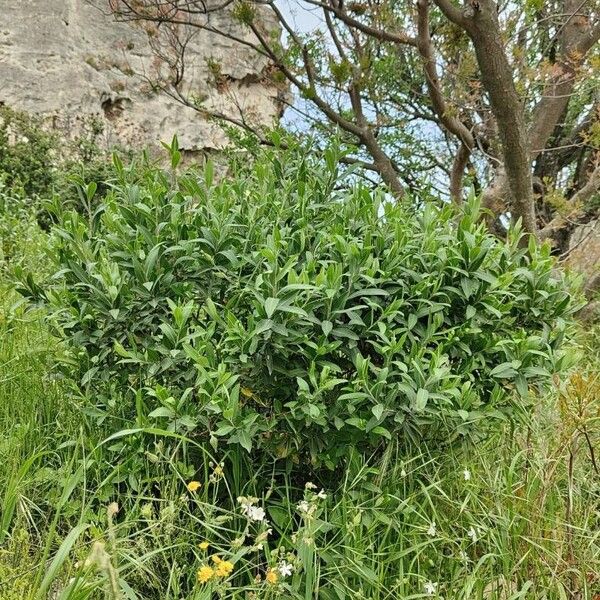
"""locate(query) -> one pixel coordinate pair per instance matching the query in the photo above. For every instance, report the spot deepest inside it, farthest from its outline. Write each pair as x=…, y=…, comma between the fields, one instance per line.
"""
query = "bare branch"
x=451, y=123
x=578, y=201
x=575, y=46
x=397, y=37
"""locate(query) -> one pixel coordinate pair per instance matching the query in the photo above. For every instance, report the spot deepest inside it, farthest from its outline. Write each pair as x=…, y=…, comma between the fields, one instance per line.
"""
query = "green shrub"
x=35, y=166
x=26, y=154
x=286, y=311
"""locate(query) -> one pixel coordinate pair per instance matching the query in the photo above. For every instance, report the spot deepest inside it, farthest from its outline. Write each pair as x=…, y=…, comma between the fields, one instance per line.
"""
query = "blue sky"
x=302, y=16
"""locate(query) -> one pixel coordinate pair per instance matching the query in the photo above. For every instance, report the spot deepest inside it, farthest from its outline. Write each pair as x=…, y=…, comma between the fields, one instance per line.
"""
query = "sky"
x=302, y=16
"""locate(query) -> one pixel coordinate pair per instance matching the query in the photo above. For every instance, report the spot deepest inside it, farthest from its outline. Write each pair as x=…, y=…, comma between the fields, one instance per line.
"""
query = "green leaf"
x=244, y=440
x=421, y=399
x=382, y=431
x=271, y=305
x=504, y=370
x=377, y=411
x=162, y=411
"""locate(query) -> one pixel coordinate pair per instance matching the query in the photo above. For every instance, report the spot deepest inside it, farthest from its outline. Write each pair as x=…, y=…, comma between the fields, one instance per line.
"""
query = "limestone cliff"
x=69, y=61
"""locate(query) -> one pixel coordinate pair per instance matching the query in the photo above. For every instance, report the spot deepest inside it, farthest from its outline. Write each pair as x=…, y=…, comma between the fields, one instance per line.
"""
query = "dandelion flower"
x=432, y=531
x=203, y=545
x=224, y=568
x=430, y=588
x=192, y=486
x=285, y=568
x=271, y=577
x=467, y=474
x=205, y=573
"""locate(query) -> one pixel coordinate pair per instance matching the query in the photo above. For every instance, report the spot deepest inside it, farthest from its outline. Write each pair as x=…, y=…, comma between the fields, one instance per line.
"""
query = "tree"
x=429, y=94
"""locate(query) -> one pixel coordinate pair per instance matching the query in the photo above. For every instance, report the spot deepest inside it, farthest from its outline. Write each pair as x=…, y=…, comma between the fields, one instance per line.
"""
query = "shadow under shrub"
x=287, y=310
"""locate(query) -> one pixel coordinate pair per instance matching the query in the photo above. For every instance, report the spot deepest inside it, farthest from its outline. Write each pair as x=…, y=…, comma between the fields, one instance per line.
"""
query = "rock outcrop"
x=71, y=62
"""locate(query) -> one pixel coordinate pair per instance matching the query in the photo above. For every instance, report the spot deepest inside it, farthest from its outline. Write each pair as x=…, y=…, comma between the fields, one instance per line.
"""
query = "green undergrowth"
x=95, y=508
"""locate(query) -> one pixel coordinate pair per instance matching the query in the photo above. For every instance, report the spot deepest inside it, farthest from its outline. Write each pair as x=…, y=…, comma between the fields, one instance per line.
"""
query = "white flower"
x=472, y=534
x=430, y=588
x=322, y=495
x=403, y=473
x=463, y=557
x=285, y=568
x=303, y=506
x=256, y=513
x=310, y=486
x=467, y=474
x=432, y=531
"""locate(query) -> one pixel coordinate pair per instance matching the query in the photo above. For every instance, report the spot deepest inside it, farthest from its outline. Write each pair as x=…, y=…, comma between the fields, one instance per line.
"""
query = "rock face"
x=70, y=62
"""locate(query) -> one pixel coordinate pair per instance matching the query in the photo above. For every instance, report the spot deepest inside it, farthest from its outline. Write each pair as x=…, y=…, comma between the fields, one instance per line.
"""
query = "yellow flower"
x=218, y=470
x=216, y=559
x=203, y=545
x=224, y=568
x=205, y=573
x=192, y=486
x=271, y=577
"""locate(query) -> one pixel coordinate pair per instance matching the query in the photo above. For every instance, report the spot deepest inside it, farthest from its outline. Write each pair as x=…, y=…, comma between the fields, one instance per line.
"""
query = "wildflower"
x=271, y=577
x=310, y=486
x=472, y=534
x=224, y=568
x=285, y=568
x=203, y=545
x=192, y=486
x=430, y=588
x=322, y=495
x=303, y=506
x=218, y=471
x=147, y=510
x=432, y=531
x=463, y=557
x=256, y=513
x=467, y=474
x=261, y=538
x=403, y=473
x=216, y=559
x=205, y=573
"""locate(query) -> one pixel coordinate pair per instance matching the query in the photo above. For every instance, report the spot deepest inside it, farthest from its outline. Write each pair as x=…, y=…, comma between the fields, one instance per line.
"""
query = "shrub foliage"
x=284, y=311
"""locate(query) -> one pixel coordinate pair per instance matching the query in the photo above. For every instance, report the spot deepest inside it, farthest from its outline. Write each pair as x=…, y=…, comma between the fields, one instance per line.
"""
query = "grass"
x=515, y=516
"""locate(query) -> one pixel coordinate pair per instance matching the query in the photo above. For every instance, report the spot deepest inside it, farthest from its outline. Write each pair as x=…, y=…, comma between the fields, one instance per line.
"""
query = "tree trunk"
x=497, y=78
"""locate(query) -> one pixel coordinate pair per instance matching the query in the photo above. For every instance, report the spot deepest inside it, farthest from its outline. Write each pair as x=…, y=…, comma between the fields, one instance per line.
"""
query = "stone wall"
x=71, y=62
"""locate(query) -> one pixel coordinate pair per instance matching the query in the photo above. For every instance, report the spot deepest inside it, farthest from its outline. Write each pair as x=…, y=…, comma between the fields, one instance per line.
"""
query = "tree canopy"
x=428, y=95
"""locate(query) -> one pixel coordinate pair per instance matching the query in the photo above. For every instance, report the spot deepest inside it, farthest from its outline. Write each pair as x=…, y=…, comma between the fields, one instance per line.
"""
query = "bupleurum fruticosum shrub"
x=280, y=310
